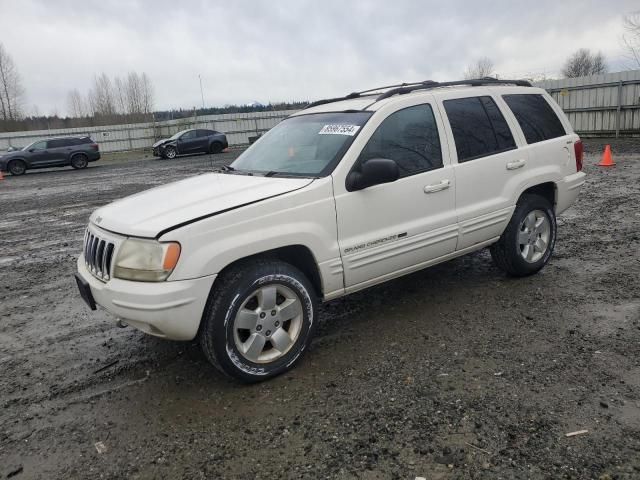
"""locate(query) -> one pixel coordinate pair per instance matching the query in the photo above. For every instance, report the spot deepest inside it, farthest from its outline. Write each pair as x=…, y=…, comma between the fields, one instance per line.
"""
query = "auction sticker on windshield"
x=339, y=129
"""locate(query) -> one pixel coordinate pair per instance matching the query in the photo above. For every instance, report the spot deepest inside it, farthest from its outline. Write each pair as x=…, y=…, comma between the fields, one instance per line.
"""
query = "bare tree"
x=134, y=94
x=121, y=95
x=631, y=37
x=583, y=63
x=101, y=97
x=11, y=90
x=481, y=68
x=147, y=95
x=75, y=104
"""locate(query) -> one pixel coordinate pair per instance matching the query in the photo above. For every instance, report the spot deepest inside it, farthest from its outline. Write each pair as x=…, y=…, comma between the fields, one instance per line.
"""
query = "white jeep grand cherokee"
x=343, y=195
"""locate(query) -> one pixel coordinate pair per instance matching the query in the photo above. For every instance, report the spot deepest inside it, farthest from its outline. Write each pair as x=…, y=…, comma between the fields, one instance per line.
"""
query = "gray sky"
x=279, y=50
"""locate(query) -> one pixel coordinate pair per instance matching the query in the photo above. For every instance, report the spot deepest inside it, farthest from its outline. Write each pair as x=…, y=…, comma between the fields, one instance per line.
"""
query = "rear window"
x=478, y=127
x=536, y=117
x=82, y=141
x=61, y=142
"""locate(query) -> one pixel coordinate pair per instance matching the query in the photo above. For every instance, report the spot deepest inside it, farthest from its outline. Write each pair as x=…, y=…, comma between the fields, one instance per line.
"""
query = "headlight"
x=146, y=260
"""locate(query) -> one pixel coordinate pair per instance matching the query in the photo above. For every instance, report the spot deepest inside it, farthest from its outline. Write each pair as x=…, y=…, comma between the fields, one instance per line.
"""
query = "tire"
x=216, y=147
x=170, y=153
x=79, y=161
x=17, y=167
x=240, y=344
x=528, y=241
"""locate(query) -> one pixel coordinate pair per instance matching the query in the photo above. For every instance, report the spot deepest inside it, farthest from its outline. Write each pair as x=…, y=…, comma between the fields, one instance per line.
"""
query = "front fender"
x=303, y=217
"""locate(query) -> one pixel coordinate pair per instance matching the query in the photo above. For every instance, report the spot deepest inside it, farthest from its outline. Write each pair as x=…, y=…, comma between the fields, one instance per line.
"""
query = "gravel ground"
x=453, y=372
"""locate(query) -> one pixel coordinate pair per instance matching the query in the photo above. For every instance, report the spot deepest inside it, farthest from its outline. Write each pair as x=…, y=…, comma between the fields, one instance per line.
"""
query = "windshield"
x=306, y=145
x=24, y=149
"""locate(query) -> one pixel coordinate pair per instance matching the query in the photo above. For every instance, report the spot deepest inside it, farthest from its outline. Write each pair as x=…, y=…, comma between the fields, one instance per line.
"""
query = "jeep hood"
x=148, y=213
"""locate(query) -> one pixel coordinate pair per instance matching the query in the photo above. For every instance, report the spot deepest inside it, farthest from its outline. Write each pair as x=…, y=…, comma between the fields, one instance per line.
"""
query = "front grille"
x=98, y=255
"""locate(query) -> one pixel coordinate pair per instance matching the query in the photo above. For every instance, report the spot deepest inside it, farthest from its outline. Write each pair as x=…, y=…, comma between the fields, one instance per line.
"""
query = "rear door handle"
x=437, y=187
x=516, y=164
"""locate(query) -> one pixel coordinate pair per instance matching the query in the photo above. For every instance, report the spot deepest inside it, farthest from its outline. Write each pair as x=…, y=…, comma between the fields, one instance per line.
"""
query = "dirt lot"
x=453, y=372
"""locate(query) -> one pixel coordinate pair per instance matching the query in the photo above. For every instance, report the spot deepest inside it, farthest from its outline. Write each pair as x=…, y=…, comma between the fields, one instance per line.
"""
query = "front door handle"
x=437, y=187
x=516, y=164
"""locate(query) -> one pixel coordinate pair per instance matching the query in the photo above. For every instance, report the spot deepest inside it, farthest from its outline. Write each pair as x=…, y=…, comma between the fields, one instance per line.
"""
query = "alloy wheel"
x=268, y=323
x=534, y=235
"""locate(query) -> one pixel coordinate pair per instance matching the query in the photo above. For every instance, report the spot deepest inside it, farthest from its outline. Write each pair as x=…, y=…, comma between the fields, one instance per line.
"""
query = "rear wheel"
x=170, y=152
x=79, y=161
x=259, y=319
x=17, y=167
x=216, y=147
x=528, y=241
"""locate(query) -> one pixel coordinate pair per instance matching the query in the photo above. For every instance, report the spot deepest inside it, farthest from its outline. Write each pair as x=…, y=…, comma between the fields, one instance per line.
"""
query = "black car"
x=191, y=141
x=52, y=152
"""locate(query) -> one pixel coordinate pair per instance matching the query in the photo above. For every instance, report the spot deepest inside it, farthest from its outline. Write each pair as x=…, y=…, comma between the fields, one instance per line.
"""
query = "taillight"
x=579, y=150
x=95, y=146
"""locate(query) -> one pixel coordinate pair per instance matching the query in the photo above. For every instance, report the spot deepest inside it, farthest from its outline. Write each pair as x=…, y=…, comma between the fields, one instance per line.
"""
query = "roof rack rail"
x=475, y=82
x=363, y=93
x=403, y=88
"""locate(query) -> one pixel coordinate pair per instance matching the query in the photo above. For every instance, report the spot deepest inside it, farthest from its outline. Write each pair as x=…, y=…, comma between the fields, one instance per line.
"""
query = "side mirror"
x=373, y=172
x=31, y=150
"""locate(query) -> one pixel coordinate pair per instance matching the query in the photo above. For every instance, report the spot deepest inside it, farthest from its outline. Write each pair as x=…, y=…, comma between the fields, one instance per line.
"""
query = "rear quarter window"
x=537, y=119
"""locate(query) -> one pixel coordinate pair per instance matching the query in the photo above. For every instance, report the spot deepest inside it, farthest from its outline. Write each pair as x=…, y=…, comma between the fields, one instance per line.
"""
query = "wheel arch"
x=300, y=256
x=27, y=163
x=548, y=190
x=22, y=159
x=78, y=152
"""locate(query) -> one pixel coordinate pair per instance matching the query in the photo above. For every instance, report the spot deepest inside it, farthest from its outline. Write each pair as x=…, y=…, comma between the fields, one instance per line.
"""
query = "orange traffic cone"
x=607, y=160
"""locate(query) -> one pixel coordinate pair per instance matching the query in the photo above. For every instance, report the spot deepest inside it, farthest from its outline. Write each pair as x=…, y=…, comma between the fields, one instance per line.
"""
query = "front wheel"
x=259, y=319
x=17, y=167
x=528, y=241
x=170, y=153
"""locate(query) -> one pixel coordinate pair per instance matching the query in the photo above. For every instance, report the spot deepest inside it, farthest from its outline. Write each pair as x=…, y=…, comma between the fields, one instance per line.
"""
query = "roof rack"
x=363, y=93
x=403, y=88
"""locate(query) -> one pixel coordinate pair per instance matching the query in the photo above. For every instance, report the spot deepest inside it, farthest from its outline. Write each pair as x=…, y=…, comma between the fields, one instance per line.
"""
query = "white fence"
x=600, y=105
x=116, y=138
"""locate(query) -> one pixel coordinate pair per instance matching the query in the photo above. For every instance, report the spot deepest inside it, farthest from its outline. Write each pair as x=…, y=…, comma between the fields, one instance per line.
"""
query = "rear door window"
x=204, y=133
x=479, y=128
x=408, y=136
x=61, y=142
x=536, y=117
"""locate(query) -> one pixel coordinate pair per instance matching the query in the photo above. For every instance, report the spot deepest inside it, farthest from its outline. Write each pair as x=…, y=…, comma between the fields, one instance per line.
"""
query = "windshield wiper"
x=230, y=169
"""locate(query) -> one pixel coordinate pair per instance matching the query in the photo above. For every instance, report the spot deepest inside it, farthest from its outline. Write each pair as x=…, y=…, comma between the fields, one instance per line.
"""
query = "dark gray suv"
x=52, y=152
